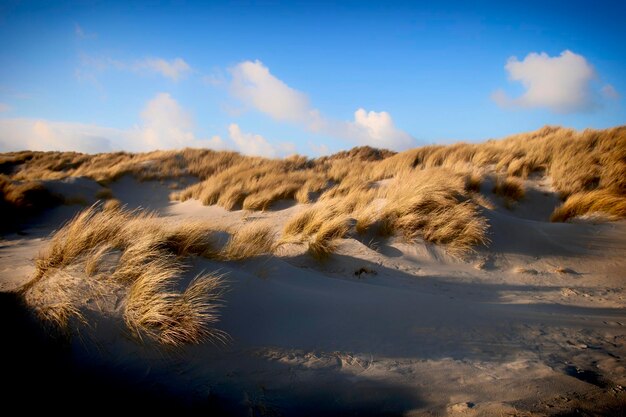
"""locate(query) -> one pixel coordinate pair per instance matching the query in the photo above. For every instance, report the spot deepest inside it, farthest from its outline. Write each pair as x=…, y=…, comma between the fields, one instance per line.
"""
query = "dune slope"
x=528, y=318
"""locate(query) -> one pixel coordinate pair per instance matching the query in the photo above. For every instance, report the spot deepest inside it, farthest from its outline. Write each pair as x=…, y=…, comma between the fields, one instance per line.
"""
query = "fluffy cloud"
x=253, y=144
x=174, y=69
x=165, y=125
x=377, y=129
x=562, y=84
x=254, y=85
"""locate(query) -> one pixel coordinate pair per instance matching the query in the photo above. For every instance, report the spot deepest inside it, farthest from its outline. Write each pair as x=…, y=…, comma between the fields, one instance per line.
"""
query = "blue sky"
x=313, y=78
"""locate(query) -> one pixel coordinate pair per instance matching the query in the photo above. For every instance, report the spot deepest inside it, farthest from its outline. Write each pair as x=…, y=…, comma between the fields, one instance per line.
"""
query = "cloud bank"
x=42, y=135
x=254, y=85
x=165, y=125
x=562, y=84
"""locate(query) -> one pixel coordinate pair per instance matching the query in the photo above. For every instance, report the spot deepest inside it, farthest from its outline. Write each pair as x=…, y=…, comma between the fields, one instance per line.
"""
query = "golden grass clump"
x=86, y=231
x=298, y=223
x=171, y=317
x=254, y=183
x=192, y=238
x=602, y=202
x=365, y=219
x=109, y=251
x=57, y=302
x=323, y=242
x=251, y=240
x=511, y=189
x=309, y=190
x=308, y=222
x=319, y=226
x=431, y=204
x=473, y=181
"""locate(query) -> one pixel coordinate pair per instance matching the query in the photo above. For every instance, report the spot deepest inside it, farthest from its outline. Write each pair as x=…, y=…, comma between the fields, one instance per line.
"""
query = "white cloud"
x=165, y=125
x=610, y=92
x=378, y=129
x=42, y=135
x=174, y=69
x=254, y=85
x=257, y=145
x=4, y=107
x=562, y=84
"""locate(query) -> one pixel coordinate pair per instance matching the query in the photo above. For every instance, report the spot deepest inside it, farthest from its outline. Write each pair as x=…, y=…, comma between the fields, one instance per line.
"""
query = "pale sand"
x=419, y=333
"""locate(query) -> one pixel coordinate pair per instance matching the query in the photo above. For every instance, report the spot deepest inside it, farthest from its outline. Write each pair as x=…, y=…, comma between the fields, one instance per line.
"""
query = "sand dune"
x=531, y=324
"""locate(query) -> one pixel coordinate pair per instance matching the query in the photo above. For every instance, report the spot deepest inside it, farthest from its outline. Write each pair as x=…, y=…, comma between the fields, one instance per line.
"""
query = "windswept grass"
x=251, y=240
x=133, y=252
x=429, y=204
x=171, y=317
x=432, y=205
x=593, y=202
x=323, y=242
x=473, y=181
x=576, y=162
x=511, y=189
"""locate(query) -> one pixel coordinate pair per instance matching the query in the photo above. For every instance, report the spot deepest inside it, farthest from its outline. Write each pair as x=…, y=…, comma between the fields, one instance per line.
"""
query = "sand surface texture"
x=533, y=324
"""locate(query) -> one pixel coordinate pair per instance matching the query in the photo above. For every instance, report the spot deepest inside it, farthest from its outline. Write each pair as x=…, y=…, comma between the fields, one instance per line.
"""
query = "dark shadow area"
x=45, y=373
x=588, y=376
x=40, y=373
x=282, y=204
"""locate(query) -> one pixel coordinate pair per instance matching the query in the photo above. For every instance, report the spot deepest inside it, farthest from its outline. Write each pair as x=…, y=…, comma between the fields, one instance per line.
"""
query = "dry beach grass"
x=363, y=272
x=101, y=252
x=433, y=194
x=576, y=162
